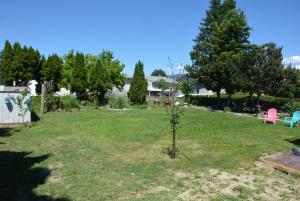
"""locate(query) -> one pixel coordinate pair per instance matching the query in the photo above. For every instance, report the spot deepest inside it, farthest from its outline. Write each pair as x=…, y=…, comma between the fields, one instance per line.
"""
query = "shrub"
x=53, y=103
x=69, y=102
x=291, y=107
x=227, y=109
x=83, y=103
x=144, y=106
x=36, y=103
x=117, y=102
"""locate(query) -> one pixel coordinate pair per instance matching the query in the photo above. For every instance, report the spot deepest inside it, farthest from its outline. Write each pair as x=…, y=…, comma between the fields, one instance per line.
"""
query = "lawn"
x=120, y=155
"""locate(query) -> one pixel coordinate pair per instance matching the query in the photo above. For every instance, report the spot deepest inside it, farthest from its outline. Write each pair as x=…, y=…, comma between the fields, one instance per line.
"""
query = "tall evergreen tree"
x=219, y=47
x=28, y=65
x=232, y=40
x=20, y=64
x=34, y=64
x=17, y=63
x=252, y=76
x=78, y=82
x=51, y=70
x=274, y=69
x=138, y=88
x=262, y=70
x=205, y=53
x=67, y=69
x=6, y=72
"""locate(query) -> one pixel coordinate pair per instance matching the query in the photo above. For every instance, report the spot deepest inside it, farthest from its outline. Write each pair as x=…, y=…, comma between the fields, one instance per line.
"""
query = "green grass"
x=119, y=155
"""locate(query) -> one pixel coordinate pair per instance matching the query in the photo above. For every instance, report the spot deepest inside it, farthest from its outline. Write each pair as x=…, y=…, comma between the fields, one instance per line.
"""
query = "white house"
x=10, y=113
x=152, y=88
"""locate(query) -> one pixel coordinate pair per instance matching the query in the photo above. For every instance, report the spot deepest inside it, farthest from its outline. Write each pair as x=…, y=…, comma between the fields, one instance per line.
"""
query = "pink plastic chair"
x=271, y=116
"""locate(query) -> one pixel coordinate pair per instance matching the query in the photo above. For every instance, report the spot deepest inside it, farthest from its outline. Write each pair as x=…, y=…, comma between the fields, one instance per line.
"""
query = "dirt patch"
x=136, y=152
x=141, y=194
x=55, y=179
x=56, y=165
x=260, y=183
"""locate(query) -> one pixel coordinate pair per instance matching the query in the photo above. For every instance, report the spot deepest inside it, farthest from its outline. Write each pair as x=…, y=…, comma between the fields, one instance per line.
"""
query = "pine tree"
x=219, y=47
x=232, y=41
x=20, y=64
x=67, y=69
x=138, y=88
x=17, y=63
x=205, y=52
x=78, y=82
x=51, y=70
x=273, y=68
x=6, y=72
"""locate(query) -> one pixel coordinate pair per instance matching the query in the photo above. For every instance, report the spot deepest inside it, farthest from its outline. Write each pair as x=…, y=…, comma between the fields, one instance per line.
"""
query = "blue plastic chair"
x=292, y=121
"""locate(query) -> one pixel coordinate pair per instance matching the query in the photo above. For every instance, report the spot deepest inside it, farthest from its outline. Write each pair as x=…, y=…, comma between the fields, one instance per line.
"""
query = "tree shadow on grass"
x=34, y=116
x=5, y=132
x=295, y=141
x=18, y=177
x=8, y=131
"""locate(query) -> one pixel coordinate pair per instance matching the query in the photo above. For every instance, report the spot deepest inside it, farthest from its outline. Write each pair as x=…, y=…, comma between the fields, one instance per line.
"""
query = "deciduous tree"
x=105, y=74
x=159, y=72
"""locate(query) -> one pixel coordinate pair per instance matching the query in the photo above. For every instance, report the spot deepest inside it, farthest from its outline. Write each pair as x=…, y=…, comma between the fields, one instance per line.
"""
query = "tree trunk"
x=43, y=94
x=218, y=97
x=258, y=110
x=101, y=97
x=229, y=99
x=251, y=101
x=173, y=152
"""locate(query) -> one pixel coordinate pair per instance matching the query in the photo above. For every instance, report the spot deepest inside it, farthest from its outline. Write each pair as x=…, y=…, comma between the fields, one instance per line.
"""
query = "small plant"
x=69, y=103
x=53, y=103
x=226, y=109
x=117, y=102
x=23, y=102
x=291, y=107
x=186, y=89
x=175, y=113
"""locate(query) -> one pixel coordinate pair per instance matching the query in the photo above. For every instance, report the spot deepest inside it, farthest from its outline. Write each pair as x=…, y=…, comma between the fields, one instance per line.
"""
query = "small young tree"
x=22, y=101
x=176, y=111
x=186, y=89
x=138, y=88
x=162, y=85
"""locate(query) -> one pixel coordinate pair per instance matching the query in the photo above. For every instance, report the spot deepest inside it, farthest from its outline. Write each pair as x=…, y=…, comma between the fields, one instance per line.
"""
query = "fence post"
x=43, y=98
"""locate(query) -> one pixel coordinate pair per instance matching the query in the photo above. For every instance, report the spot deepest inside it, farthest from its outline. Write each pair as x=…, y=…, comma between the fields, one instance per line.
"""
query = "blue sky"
x=139, y=29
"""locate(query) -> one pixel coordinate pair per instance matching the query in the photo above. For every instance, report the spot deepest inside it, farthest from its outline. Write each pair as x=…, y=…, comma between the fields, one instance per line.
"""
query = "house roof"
x=158, y=78
x=155, y=78
x=11, y=89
